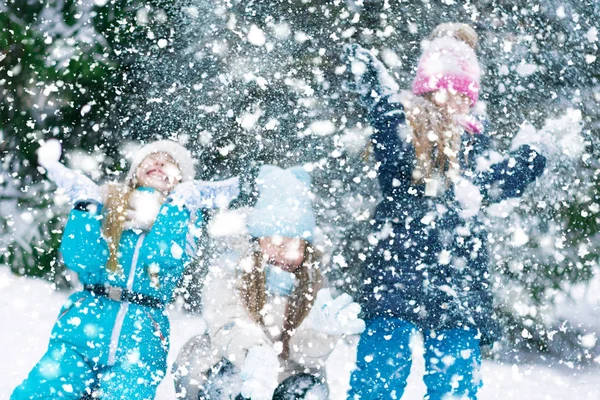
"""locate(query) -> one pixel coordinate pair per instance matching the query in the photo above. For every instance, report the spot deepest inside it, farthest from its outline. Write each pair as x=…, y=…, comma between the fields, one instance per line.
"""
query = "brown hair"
x=253, y=292
x=436, y=137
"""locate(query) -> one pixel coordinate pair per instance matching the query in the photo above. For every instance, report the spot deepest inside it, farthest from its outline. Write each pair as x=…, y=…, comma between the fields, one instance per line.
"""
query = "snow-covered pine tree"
x=53, y=70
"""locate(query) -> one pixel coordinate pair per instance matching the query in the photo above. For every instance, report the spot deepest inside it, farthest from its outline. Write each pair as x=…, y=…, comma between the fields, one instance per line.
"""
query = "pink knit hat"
x=449, y=62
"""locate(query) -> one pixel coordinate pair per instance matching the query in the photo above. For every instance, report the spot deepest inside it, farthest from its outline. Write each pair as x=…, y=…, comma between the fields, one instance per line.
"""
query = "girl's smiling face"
x=159, y=171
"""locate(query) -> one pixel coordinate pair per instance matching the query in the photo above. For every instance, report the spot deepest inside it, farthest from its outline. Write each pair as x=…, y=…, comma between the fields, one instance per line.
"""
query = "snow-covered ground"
x=28, y=308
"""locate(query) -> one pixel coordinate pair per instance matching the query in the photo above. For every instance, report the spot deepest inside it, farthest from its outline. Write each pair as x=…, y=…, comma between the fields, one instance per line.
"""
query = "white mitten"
x=49, y=152
x=77, y=186
x=143, y=209
x=540, y=140
x=204, y=194
x=371, y=78
x=260, y=373
x=337, y=316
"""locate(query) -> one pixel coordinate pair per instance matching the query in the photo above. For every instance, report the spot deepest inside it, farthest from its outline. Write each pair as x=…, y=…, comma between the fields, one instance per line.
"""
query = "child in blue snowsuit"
x=112, y=337
x=428, y=271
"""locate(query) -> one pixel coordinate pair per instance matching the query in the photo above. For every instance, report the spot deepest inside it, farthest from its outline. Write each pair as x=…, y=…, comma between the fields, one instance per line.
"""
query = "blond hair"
x=118, y=197
x=436, y=137
x=115, y=208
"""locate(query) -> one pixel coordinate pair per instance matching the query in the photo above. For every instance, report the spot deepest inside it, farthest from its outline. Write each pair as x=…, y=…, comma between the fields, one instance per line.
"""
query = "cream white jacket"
x=233, y=332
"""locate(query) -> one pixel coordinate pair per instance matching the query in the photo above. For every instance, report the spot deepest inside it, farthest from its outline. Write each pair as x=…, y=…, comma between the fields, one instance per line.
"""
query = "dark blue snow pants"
x=384, y=357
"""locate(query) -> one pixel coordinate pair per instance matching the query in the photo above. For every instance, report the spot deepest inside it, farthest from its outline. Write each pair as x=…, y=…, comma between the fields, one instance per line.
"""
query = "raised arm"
x=83, y=247
x=196, y=195
x=77, y=186
x=371, y=79
x=510, y=177
x=378, y=93
x=392, y=150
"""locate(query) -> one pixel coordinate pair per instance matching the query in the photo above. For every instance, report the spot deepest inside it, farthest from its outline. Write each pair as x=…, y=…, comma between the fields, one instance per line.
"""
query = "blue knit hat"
x=283, y=207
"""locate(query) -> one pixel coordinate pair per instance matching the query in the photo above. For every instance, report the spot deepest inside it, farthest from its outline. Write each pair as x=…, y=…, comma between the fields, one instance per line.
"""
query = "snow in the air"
x=302, y=87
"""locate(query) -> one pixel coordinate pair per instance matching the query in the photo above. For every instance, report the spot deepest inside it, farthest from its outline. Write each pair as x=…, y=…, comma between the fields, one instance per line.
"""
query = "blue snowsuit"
x=429, y=269
x=118, y=347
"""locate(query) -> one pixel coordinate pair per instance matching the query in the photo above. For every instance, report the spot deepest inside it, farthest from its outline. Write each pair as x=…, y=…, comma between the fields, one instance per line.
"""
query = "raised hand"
x=371, y=78
x=203, y=194
x=77, y=186
x=337, y=316
x=49, y=152
x=543, y=141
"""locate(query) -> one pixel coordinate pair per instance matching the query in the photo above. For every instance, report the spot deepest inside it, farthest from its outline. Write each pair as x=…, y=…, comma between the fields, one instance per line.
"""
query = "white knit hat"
x=180, y=154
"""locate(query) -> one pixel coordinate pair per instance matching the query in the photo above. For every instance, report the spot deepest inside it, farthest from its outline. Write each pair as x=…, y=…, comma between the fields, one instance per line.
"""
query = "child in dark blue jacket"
x=428, y=271
x=128, y=246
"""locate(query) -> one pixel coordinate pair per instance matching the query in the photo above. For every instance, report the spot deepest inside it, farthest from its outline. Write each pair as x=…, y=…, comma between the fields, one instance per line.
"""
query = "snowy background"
x=243, y=83
x=31, y=306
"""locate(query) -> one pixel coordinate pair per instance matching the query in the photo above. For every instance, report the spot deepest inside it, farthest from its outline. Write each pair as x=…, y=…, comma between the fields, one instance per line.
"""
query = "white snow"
x=469, y=197
x=580, y=305
x=592, y=34
x=249, y=119
x=192, y=11
x=282, y=30
x=85, y=109
x=228, y=223
x=566, y=130
x=519, y=237
x=589, y=340
x=81, y=160
x=526, y=69
x=590, y=58
x=558, y=137
x=390, y=58
x=358, y=67
x=31, y=306
x=176, y=251
x=49, y=151
x=322, y=128
x=256, y=36
x=301, y=37
x=145, y=207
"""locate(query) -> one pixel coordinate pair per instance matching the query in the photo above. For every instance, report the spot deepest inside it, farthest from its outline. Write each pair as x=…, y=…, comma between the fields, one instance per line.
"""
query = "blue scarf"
x=279, y=282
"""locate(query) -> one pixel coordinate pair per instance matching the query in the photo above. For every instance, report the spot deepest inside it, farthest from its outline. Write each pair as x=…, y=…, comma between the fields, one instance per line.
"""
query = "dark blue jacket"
x=430, y=265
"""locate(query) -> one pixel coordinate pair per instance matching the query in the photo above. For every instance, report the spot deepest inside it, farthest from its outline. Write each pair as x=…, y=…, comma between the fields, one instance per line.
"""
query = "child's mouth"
x=156, y=173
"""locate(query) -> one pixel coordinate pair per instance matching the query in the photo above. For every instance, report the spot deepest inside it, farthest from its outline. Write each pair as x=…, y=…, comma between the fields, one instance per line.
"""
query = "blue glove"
x=371, y=78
